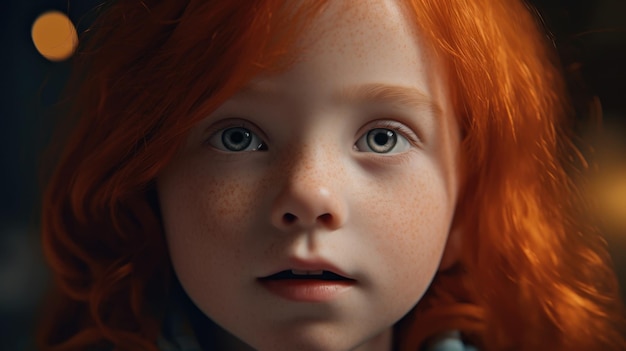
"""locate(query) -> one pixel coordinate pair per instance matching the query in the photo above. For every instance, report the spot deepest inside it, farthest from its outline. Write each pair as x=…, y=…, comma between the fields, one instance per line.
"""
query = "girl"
x=322, y=175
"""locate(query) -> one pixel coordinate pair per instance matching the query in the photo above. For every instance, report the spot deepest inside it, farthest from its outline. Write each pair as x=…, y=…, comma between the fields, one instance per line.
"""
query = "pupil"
x=236, y=139
x=381, y=140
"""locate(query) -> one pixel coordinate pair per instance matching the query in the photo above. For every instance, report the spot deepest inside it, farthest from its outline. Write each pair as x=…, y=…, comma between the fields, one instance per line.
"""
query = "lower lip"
x=307, y=290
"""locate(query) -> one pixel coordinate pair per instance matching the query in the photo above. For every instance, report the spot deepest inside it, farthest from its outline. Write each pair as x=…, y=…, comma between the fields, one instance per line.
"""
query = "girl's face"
x=345, y=163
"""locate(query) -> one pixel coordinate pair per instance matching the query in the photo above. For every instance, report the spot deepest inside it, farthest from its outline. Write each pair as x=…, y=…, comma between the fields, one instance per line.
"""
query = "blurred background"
x=589, y=35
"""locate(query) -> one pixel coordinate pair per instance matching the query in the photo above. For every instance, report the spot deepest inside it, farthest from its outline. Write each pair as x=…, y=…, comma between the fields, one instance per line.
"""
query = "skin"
x=318, y=191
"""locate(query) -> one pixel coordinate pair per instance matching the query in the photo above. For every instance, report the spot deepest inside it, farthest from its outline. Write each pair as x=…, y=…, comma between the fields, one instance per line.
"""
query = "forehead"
x=362, y=27
x=366, y=41
x=363, y=21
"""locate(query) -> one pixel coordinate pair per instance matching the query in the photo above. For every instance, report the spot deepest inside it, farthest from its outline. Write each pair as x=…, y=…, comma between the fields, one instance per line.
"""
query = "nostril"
x=289, y=218
x=325, y=218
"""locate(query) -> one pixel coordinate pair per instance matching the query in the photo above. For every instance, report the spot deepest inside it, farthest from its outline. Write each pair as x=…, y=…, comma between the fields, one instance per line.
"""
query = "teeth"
x=299, y=272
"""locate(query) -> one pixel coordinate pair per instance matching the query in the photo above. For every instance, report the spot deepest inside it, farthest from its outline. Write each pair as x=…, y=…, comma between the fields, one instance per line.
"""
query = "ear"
x=452, y=252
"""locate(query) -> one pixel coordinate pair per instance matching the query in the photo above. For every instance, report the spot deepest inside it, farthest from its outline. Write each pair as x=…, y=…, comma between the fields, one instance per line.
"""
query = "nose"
x=310, y=195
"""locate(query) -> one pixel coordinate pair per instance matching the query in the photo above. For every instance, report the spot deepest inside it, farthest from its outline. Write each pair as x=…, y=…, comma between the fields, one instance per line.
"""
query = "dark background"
x=590, y=37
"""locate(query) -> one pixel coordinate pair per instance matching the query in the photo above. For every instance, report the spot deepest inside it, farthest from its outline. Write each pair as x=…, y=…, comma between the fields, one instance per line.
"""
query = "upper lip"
x=310, y=265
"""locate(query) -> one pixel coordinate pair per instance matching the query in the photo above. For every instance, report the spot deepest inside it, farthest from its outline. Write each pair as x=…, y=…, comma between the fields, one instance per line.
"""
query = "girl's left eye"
x=237, y=139
x=382, y=141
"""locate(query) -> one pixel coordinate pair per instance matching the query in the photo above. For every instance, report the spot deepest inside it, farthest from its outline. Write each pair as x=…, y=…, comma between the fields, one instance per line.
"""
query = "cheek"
x=206, y=222
x=202, y=203
x=408, y=220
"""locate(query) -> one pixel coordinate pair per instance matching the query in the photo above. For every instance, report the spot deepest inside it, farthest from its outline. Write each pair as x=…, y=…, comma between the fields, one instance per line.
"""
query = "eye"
x=236, y=139
x=382, y=141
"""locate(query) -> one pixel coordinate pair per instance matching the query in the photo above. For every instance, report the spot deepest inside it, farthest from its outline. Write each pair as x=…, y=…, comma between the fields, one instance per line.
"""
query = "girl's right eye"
x=236, y=139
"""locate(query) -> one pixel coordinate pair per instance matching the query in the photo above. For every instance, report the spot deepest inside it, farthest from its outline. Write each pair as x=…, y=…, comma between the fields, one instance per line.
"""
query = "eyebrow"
x=389, y=94
x=370, y=93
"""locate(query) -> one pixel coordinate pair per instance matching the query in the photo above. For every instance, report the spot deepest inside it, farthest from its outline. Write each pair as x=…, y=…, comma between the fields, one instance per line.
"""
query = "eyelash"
x=396, y=127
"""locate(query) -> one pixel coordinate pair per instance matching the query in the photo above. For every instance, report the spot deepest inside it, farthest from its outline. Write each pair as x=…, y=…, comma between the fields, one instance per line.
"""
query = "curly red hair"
x=532, y=274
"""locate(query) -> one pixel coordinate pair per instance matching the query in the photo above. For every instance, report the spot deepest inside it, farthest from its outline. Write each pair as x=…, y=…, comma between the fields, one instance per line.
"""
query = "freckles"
x=349, y=23
x=426, y=201
x=226, y=202
x=224, y=199
x=409, y=210
x=209, y=225
x=415, y=232
x=209, y=207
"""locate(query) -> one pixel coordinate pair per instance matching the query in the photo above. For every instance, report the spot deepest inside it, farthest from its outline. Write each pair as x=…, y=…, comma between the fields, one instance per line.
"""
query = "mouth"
x=307, y=286
x=295, y=274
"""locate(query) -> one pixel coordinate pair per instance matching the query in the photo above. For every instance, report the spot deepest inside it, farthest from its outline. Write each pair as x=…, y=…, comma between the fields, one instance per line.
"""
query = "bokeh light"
x=607, y=189
x=610, y=192
x=54, y=36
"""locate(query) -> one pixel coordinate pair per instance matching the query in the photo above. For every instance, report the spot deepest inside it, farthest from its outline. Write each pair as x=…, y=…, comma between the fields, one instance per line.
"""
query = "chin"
x=301, y=345
x=321, y=340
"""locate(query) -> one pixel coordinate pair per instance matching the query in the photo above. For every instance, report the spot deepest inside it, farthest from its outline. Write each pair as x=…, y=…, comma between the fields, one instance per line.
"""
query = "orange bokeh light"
x=54, y=36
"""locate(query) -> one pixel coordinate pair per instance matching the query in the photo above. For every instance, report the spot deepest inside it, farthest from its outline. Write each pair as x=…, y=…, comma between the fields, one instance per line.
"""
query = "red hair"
x=538, y=271
x=532, y=276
